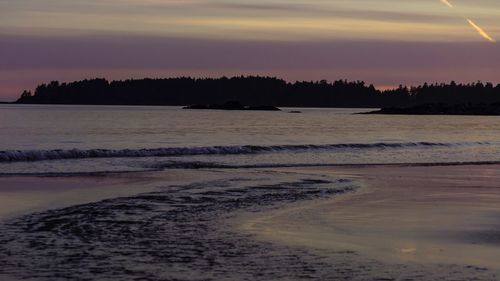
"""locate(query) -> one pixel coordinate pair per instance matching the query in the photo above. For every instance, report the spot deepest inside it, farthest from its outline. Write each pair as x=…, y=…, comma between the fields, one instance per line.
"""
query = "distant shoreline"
x=255, y=91
x=282, y=108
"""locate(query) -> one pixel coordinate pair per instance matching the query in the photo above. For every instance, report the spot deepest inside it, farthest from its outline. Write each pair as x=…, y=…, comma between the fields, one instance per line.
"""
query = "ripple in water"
x=181, y=233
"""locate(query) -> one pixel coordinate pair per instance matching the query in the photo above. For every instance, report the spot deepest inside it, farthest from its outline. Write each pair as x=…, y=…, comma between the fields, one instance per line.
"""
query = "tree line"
x=256, y=90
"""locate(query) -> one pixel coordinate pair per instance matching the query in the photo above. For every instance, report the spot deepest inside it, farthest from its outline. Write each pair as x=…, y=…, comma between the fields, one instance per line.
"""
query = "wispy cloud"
x=474, y=25
x=447, y=3
x=297, y=20
x=384, y=41
x=481, y=31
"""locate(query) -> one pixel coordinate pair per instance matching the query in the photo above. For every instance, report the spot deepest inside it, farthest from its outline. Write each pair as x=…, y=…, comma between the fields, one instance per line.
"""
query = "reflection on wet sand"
x=402, y=215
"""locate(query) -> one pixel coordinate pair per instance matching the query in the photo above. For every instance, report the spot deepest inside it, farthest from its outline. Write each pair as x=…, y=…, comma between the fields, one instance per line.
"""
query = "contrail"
x=447, y=3
x=481, y=31
x=475, y=26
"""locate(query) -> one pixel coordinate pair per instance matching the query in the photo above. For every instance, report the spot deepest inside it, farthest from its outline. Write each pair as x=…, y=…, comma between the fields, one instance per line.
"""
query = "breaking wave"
x=59, y=154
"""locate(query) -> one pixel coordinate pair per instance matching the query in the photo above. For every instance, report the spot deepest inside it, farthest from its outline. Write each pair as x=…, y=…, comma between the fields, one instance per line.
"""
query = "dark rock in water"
x=263, y=107
x=442, y=109
x=232, y=105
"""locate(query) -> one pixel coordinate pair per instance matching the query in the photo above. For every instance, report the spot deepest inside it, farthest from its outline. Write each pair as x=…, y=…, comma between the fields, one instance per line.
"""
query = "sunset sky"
x=384, y=42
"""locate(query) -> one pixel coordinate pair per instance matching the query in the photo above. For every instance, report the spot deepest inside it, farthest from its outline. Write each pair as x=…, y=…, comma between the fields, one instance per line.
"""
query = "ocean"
x=50, y=139
x=162, y=193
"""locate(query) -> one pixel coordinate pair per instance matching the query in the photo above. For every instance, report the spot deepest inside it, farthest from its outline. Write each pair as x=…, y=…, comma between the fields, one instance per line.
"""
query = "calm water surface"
x=181, y=231
x=33, y=134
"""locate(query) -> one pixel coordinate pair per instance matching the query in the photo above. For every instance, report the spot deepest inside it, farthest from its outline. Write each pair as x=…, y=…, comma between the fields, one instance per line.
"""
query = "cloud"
x=239, y=19
x=481, y=31
x=473, y=24
x=447, y=3
x=28, y=61
x=112, y=51
x=383, y=42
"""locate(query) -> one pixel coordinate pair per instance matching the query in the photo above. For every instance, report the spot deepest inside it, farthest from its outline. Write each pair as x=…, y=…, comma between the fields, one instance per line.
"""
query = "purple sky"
x=386, y=44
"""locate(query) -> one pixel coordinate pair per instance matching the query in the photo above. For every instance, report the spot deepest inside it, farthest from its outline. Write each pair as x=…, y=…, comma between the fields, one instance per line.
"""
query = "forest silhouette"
x=256, y=90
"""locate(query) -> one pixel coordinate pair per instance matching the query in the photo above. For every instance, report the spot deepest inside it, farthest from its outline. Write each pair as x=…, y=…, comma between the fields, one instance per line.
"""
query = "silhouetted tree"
x=255, y=90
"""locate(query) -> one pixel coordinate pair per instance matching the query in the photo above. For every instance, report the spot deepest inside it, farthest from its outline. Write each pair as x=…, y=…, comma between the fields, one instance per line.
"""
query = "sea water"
x=182, y=231
x=54, y=139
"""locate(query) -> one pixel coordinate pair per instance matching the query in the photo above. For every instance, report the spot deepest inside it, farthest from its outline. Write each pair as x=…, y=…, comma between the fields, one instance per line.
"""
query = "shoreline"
x=177, y=231
x=257, y=217
x=409, y=215
x=26, y=194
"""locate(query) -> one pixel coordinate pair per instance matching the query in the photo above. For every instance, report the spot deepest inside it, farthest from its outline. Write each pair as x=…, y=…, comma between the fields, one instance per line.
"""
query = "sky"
x=384, y=42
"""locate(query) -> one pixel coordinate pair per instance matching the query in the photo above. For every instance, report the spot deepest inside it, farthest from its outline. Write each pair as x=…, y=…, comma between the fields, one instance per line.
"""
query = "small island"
x=214, y=93
x=442, y=109
x=232, y=105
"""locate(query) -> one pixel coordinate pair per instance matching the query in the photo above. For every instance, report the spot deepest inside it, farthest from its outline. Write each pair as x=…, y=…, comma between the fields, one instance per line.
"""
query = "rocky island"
x=442, y=109
x=232, y=105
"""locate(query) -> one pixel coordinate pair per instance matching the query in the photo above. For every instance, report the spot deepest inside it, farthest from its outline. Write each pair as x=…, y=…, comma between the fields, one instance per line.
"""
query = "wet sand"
x=359, y=223
x=448, y=215
x=176, y=232
x=23, y=195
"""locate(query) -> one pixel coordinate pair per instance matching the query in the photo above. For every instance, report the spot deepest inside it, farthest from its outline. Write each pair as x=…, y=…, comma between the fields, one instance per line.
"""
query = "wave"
x=214, y=165
x=60, y=154
x=198, y=165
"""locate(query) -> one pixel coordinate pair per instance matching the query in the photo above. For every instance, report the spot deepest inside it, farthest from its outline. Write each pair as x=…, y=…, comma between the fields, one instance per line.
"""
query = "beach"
x=21, y=195
x=141, y=193
x=420, y=216
x=330, y=223
x=268, y=140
